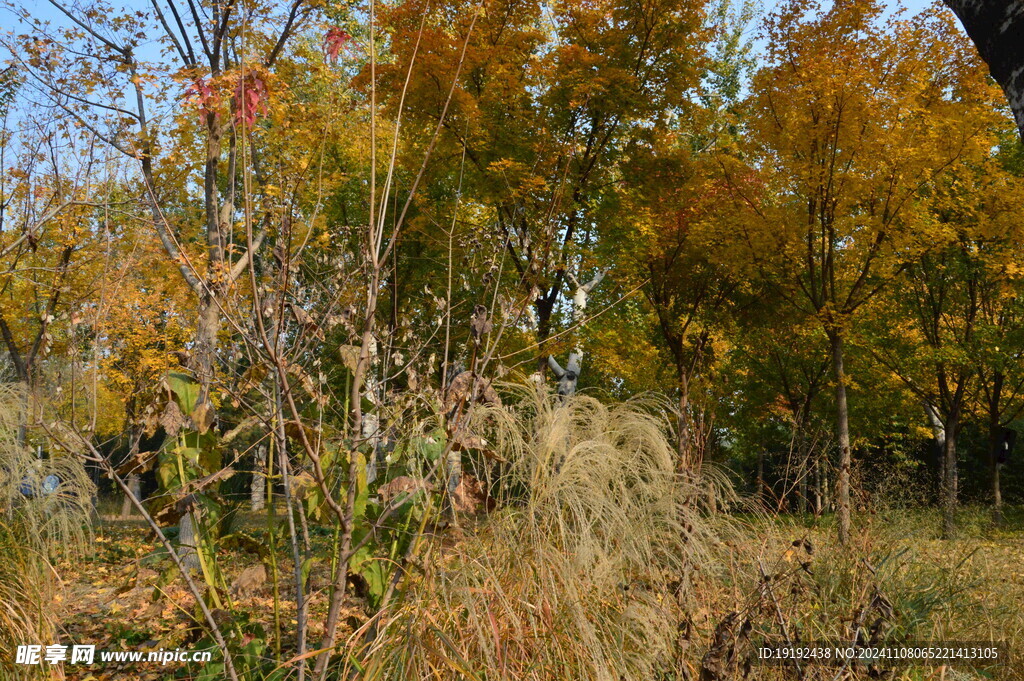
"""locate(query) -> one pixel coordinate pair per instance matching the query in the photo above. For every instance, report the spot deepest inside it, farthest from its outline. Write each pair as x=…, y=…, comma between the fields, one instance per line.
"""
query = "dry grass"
x=605, y=561
x=34, y=528
x=578, y=575
x=895, y=583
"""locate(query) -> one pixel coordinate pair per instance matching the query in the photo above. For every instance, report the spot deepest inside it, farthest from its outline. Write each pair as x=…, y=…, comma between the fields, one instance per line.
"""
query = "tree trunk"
x=203, y=364
x=995, y=443
x=569, y=376
x=996, y=26
x=801, y=502
x=803, y=453
x=997, y=496
x=683, y=425
x=819, y=490
x=843, y=435
x=134, y=481
x=939, y=435
x=370, y=429
x=759, y=483
x=204, y=354
x=135, y=489
x=187, y=542
x=258, y=489
x=949, y=486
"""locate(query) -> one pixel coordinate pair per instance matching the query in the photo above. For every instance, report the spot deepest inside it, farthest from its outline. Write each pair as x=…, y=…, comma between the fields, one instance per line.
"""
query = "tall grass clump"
x=579, y=572
x=35, y=526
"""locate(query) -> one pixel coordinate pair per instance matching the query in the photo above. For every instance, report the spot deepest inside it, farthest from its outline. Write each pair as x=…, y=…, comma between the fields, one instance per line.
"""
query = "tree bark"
x=205, y=351
x=997, y=29
x=939, y=435
x=134, y=482
x=819, y=490
x=135, y=486
x=370, y=428
x=683, y=424
x=187, y=542
x=802, y=488
x=760, y=495
x=843, y=436
x=258, y=488
x=203, y=364
x=949, y=483
x=995, y=444
x=569, y=377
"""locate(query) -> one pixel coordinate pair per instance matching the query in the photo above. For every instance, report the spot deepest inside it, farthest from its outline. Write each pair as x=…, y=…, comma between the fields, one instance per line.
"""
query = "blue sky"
x=912, y=5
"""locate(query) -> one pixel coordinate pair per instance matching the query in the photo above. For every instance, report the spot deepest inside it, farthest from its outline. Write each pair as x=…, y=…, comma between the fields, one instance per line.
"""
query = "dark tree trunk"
x=761, y=497
x=544, y=306
x=683, y=425
x=801, y=502
x=843, y=436
x=997, y=29
x=995, y=442
x=949, y=482
x=819, y=489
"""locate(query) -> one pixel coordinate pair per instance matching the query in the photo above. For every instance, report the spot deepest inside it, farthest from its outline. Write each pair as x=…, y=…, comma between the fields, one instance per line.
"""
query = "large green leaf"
x=186, y=391
x=167, y=470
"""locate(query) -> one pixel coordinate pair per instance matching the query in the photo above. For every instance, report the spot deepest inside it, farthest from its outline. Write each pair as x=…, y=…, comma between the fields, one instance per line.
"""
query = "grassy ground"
x=897, y=578
x=785, y=576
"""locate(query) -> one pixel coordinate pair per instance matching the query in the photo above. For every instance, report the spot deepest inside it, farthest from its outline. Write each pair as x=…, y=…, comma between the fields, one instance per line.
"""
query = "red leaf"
x=201, y=95
x=334, y=42
x=250, y=100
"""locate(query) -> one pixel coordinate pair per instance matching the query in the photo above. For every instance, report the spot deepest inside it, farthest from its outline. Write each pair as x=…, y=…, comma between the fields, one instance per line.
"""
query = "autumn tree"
x=929, y=337
x=549, y=96
x=991, y=197
x=55, y=190
x=670, y=243
x=779, y=369
x=851, y=119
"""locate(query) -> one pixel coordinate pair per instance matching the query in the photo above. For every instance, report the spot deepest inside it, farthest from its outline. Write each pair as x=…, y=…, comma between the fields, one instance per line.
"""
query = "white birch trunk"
x=371, y=421
x=939, y=433
x=570, y=375
x=258, y=489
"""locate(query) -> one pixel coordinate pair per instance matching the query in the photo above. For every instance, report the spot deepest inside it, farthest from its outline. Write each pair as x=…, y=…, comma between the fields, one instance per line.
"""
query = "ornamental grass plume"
x=37, y=524
x=581, y=572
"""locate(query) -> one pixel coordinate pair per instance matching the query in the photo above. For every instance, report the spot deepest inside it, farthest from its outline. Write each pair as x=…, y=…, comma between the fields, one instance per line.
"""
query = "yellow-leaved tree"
x=852, y=119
